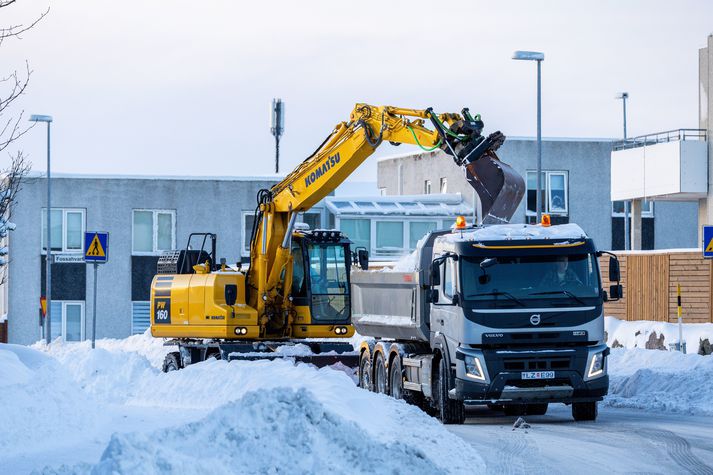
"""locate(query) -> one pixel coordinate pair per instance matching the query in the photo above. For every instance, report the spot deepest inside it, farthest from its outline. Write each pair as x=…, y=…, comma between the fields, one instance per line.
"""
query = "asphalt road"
x=620, y=441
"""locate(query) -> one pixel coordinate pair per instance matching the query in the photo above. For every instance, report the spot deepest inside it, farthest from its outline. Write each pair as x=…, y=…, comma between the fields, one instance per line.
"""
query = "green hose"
x=438, y=144
x=462, y=138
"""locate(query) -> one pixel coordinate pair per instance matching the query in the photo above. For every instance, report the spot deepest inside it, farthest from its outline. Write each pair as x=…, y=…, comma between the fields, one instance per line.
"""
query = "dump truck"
x=509, y=316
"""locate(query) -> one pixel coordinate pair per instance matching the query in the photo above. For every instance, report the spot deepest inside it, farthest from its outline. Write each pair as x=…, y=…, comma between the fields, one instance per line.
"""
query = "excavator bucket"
x=499, y=187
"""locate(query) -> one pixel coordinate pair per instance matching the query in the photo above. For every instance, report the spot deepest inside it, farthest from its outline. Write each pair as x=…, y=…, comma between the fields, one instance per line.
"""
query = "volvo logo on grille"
x=535, y=319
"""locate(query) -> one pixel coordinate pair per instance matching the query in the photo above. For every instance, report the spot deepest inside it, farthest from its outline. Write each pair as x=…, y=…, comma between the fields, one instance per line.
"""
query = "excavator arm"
x=458, y=135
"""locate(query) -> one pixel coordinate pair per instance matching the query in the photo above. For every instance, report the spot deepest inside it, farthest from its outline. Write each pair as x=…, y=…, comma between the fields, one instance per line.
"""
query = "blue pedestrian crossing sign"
x=708, y=242
x=96, y=247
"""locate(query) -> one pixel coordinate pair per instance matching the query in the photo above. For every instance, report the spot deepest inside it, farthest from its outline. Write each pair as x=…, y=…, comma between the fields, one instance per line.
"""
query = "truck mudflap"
x=532, y=376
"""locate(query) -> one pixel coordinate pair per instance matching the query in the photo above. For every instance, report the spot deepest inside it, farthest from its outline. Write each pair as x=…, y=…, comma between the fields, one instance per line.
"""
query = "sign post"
x=96, y=251
x=707, y=242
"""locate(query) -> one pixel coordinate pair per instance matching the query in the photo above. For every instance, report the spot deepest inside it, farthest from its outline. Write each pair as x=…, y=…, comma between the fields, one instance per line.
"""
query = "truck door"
x=445, y=314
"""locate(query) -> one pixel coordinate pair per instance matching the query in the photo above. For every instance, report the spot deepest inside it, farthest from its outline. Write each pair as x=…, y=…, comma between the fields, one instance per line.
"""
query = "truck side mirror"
x=363, y=258
x=614, y=274
x=436, y=272
x=231, y=294
x=616, y=292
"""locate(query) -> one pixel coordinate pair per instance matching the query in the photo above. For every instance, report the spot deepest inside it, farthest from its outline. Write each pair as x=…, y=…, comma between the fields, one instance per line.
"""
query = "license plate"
x=538, y=374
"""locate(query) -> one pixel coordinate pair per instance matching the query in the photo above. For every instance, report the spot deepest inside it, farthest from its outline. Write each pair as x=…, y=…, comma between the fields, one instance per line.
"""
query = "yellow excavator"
x=296, y=288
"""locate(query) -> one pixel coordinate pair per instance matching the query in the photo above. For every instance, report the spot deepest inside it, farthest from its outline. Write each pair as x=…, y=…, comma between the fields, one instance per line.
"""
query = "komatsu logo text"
x=322, y=170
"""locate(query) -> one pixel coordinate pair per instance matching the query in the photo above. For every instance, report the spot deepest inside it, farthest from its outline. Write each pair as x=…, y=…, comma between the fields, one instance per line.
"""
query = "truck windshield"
x=328, y=282
x=572, y=277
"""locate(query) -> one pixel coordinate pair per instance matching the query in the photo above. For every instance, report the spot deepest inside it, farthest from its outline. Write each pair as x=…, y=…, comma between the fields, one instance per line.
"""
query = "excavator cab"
x=320, y=289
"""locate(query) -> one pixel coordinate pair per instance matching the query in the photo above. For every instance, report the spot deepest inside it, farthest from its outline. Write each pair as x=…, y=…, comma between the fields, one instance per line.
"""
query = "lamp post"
x=627, y=236
x=48, y=261
x=539, y=57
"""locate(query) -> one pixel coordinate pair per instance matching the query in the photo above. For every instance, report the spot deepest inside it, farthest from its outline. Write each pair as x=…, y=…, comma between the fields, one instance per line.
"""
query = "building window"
x=140, y=317
x=67, y=231
x=389, y=237
x=313, y=220
x=554, y=194
x=444, y=185
x=647, y=209
x=67, y=320
x=417, y=230
x=427, y=187
x=154, y=231
x=358, y=231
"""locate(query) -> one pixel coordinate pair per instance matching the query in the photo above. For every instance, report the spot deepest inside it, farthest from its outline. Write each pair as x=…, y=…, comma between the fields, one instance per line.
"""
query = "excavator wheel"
x=172, y=362
x=499, y=187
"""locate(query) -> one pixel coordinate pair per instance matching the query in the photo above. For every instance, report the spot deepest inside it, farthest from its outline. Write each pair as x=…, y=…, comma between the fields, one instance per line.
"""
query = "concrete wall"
x=200, y=206
x=588, y=164
x=705, y=112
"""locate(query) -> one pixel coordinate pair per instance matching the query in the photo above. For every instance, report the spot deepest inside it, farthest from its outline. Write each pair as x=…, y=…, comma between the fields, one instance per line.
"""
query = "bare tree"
x=12, y=86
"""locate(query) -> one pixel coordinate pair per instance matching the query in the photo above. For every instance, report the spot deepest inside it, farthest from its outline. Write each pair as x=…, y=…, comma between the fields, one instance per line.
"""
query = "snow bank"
x=275, y=431
x=635, y=334
x=660, y=381
x=230, y=417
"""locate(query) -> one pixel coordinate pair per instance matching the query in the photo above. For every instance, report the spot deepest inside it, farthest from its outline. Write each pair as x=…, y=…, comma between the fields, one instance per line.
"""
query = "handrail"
x=661, y=137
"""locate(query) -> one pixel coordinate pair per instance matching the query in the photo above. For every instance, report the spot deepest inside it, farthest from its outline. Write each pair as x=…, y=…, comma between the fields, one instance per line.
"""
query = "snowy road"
x=621, y=441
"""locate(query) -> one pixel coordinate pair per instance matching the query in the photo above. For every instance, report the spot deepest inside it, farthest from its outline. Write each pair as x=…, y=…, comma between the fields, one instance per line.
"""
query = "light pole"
x=627, y=236
x=48, y=261
x=539, y=57
x=277, y=127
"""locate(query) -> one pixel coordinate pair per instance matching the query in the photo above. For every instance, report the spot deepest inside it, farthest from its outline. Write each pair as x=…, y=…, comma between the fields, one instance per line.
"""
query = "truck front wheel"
x=450, y=411
x=584, y=411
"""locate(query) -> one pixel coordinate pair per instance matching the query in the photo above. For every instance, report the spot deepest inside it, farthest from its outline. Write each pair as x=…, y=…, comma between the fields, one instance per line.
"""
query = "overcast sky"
x=184, y=88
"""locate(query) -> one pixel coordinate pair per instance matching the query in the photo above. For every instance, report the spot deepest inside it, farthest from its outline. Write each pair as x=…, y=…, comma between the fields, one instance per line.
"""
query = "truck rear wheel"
x=172, y=362
x=380, y=385
x=450, y=411
x=365, y=371
x=584, y=411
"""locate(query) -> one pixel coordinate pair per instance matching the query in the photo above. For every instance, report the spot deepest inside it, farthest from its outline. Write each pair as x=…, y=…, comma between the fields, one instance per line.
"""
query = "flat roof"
x=91, y=176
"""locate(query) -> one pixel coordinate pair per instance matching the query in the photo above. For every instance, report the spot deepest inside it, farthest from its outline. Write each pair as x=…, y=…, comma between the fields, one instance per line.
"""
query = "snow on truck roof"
x=515, y=232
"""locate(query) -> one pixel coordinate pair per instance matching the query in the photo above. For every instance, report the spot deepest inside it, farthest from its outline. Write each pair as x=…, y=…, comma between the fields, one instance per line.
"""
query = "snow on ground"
x=635, y=334
x=666, y=381
x=111, y=410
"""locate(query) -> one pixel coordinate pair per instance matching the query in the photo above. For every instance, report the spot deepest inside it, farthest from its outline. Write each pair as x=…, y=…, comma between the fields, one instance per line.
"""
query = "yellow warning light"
x=546, y=220
x=460, y=222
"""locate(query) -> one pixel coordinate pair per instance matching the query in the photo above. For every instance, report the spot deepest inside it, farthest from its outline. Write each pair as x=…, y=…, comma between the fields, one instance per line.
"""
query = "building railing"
x=661, y=137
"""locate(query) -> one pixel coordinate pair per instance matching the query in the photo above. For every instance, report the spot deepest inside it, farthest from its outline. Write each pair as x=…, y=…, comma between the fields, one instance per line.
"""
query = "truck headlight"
x=473, y=368
x=596, y=367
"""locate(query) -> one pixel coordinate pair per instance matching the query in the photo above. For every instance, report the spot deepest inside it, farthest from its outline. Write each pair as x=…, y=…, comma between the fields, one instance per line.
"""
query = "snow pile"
x=407, y=263
x=229, y=417
x=660, y=381
x=635, y=334
x=281, y=430
x=39, y=401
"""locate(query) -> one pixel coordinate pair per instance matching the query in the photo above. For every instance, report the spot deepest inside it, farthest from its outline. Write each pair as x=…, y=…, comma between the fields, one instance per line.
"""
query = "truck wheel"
x=396, y=379
x=584, y=411
x=172, y=362
x=380, y=374
x=365, y=372
x=536, y=409
x=450, y=411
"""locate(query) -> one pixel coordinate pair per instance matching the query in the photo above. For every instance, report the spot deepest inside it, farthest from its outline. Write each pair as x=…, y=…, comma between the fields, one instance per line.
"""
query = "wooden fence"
x=650, y=280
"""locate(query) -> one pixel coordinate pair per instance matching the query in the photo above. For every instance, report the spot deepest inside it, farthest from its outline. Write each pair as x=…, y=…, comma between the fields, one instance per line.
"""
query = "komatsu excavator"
x=297, y=288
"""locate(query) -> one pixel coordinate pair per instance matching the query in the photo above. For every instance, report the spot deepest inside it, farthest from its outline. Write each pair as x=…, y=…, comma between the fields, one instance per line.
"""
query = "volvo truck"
x=509, y=316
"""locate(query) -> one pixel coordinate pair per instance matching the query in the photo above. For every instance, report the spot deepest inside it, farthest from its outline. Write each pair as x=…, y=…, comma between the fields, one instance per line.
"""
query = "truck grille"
x=536, y=364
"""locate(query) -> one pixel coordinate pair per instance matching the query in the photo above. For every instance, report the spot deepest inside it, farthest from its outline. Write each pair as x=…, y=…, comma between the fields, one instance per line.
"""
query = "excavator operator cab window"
x=299, y=283
x=329, y=282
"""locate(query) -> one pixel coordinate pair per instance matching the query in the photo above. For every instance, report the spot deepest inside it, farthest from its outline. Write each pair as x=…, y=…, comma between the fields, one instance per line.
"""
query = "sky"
x=184, y=88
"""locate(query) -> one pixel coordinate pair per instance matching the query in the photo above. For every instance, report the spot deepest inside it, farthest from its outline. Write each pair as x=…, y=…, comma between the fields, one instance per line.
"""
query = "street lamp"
x=48, y=261
x=627, y=236
x=539, y=57
x=277, y=127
